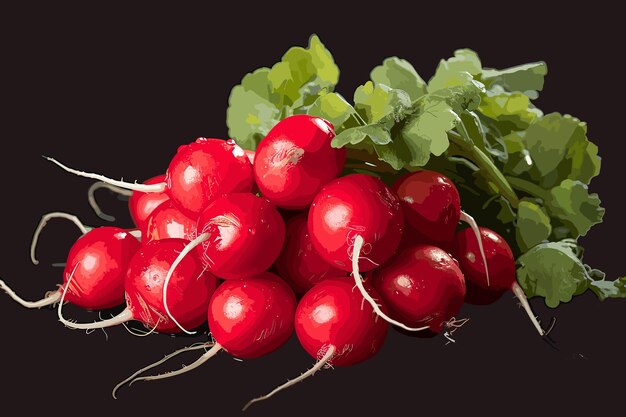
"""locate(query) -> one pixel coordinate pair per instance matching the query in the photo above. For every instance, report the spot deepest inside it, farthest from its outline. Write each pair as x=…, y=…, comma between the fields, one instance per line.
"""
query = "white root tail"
x=144, y=188
x=521, y=296
x=91, y=198
x=207, y=355
x=50, y=299
x=197, y=241
x=356, y=253
x=319, y=365
x=133, y=378
x=472, y=223
x=42, y=223
x=123, y=317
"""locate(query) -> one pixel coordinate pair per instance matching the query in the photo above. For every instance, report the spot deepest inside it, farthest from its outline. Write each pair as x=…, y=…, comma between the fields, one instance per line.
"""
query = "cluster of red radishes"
x=265, y=264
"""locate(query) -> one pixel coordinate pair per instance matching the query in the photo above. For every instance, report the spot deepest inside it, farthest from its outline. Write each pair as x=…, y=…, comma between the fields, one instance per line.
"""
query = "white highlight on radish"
x=208, y=355
x=197, y=241
x=521, y=296
x=131, y=378
x=94, y=204
x=319, y=365
x=49, y=299
x=144, y=188
x=42, y=223
x=356, y=252
x=472, y=223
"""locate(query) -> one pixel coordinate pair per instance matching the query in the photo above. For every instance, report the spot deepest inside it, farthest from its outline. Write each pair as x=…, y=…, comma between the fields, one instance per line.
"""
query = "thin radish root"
x=452, y=326
x=42, y=223
x=141, y=334
x=123, y=317
x=319, y=365
x=521, y=296
x=144, y=188
x=50, y=298
x=356, y=253
x=133, y=378
x=207, y=355
x=197, y=241
x=472, y=223
x=94, y=204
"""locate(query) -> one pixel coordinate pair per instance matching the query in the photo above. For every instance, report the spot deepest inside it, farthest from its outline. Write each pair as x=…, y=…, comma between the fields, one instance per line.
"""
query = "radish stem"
x=144, y=188
x=472, y=223
x=319, y=365
x=197, y=241
x=132, y=379
x=356, y=252
x=521, y=296
x=94, y=204
x=46, y=301
x=42, y=223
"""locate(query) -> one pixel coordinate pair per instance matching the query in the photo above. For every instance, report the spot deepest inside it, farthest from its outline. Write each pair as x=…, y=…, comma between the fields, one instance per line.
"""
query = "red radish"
x=141, y=205
x=501, y=265
x=91, y=198
x=355, y=223
x=299, y=263
x=335, y=327
x=97, y=265
x=422, y=286
x=295, y=160
x=241, y=236
x=477, y=295
x=167, y=221
x=432, y=207
x=248, y=318
x=199, y=172
x=191, y=288
x=250, y=155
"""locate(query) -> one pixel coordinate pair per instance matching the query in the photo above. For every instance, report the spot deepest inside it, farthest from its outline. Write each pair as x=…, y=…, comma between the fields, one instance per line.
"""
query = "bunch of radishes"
x=264, y=243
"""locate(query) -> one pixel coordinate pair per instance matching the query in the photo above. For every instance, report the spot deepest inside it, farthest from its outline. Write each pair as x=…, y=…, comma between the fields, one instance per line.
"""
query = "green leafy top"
x=519, y=172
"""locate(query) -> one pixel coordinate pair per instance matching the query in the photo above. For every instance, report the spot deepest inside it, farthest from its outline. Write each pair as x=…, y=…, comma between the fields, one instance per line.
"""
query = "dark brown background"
x=116, y=91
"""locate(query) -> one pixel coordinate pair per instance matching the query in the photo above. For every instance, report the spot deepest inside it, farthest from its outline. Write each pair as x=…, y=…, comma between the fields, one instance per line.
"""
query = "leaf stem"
x=486, y=165
x=528, y=188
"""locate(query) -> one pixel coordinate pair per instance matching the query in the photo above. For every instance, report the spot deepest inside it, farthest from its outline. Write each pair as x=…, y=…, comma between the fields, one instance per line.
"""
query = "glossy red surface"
x=431, y=204
x=295, y=160
x=167, y=222
x=355, y=204
x=246, y=235
x=299, y=263
x=479, y=296
x=141, y=205
x=423, y=286
x=189, y=290
x=99, y=260
x=497, y=252
x=206, y=169
x=252, y=317
x=333, y=314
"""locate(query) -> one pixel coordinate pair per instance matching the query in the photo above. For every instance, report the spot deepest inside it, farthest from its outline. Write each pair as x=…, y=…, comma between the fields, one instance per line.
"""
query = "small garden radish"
x=356, y=223
x=241, y=236
x=501, y=264
x=96, y=265
x=295, y=160
x=335, y=327
x=423, y=285
x=167, y=221
x=191, y=288
x=199, y=172
x=432, y=208
x=299, y=263
x=248, y=318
